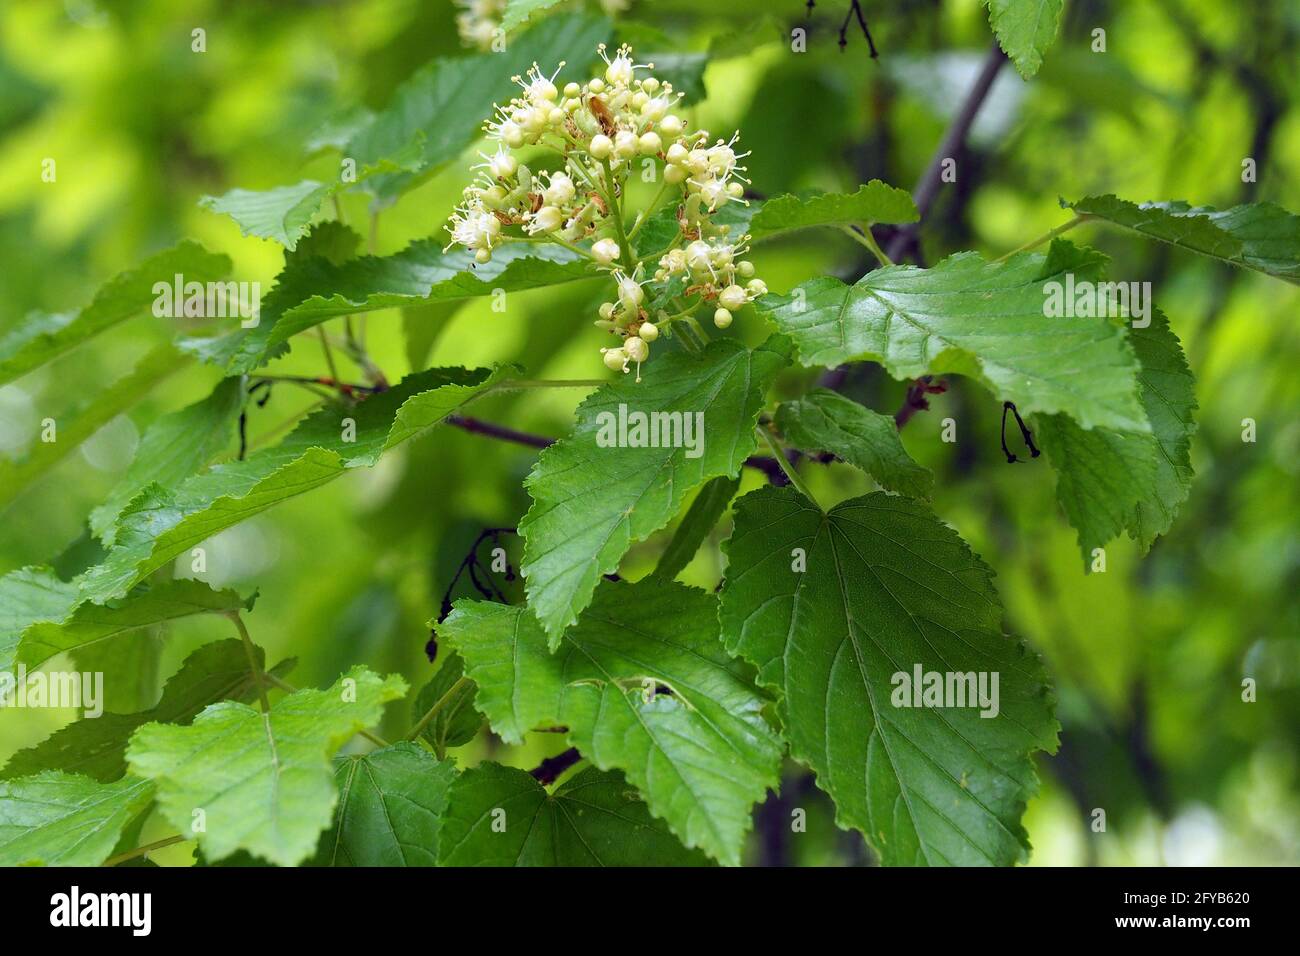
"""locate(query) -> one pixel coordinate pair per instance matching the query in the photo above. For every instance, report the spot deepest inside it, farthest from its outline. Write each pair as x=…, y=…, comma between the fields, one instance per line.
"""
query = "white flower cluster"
x=591, y=135
x=479, y=20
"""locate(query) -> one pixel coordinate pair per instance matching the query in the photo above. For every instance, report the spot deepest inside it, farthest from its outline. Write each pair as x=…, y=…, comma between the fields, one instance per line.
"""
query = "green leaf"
x=161, y=523
x=263, y=781
x=591, y=500
x=1258, y=236
x=644, y=686
x=283, y=213
x=829, y=607
x=519, y=12
x=457, y=722
x=975, y=318
x=76, y=427
x=97, y=748
x=391, y=803
x=703, y=514
x=62, y=819
x=592, y=819
x=443, y=105
x=1110, y=481
x=45, y=337
x=94, y=623
x=29, y=595
x=1025, y=30
x=827, y=421
x=173, y=448
x=313, y=290
x=873, y=202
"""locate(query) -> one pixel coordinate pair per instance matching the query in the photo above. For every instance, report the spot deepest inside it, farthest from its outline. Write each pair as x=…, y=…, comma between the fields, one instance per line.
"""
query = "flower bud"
x=745, y=268
x=572, y=89
x=596, y=85
x=615, y=359
x=601, y=146
x=560, y=190
x=756, y=287
x=546, y=219
x=677, y=154
x=674, y=175
x=605, y=251
x=722, y=318
x=636, y=349
x=671, y=125
x=606, y=310
x=648, y=331
x=650, y=143
x=625, y=144
x=732, y=297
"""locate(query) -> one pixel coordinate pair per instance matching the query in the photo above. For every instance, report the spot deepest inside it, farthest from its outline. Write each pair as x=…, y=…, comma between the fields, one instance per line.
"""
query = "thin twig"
x=951, y=144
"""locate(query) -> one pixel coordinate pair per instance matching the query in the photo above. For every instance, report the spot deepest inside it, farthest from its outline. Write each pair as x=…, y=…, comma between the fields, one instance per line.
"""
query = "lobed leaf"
x=592, y=819
x=63, y=819
x=263, y=781
x=592, y=499
x=390, y=811
x=977, y=318
x=831, y=608
x=1112, y=481
x=644, y=686
x=97, y=748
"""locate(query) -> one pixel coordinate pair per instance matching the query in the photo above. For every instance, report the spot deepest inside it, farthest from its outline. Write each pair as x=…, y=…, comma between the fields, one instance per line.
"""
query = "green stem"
x=649, y=211
x=786, y=467
x=252, y=659
x=616, y=213
x=329, y=354
x=571, y=247
x=867, y=239
x=432, y=712
x=1047, y=236
x=147, y=848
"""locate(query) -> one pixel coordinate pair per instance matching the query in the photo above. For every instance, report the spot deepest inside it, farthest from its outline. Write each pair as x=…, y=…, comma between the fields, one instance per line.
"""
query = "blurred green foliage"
x=1149, y=657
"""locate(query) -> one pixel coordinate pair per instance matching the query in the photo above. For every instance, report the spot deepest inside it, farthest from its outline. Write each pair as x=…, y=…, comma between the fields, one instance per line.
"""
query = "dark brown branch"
x=550, y=769
x=915, y=400
x=767, y=466
x=951, y=144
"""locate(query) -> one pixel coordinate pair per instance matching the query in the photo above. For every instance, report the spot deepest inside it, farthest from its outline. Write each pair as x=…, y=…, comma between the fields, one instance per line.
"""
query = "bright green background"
x=1148, y=657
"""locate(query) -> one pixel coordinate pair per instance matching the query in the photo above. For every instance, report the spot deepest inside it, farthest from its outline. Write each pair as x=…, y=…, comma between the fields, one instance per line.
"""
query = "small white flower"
x=559, y=190
x=546, y=219
x=605, y=251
